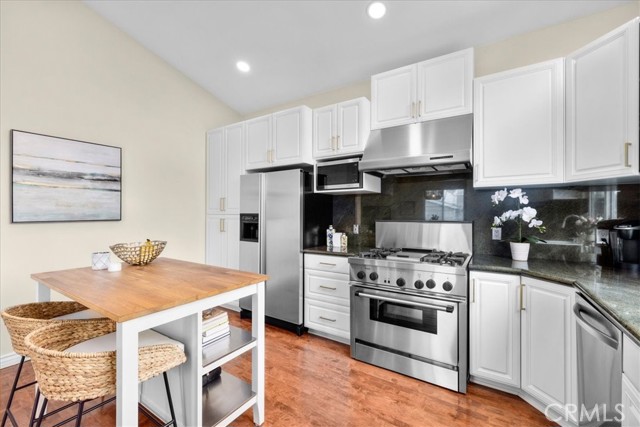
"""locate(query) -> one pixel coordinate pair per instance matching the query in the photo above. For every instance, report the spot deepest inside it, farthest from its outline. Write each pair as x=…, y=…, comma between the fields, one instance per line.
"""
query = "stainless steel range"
x=409, y=301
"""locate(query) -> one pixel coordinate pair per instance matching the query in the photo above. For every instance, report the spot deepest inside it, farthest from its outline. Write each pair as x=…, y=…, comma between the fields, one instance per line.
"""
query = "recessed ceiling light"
x=243, y=66
x=376, y=10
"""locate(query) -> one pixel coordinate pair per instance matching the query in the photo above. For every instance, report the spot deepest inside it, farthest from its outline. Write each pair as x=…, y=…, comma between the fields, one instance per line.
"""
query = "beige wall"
x=67, y=72
x=321, y=99
x=547, y=43
x=551, y=42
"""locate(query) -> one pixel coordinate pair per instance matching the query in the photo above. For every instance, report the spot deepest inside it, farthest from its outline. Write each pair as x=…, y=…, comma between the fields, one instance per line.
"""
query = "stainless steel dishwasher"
x=599, y=366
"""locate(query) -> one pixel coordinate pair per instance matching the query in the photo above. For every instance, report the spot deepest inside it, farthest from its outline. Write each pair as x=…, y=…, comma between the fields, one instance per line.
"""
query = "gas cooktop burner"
x=430, y=256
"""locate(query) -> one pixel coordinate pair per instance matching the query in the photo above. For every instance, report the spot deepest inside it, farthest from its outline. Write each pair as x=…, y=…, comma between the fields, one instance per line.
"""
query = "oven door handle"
x=447, y=308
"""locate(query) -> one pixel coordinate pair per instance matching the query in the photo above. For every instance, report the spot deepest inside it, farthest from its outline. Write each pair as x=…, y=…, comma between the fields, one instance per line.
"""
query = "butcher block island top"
x=139, y=290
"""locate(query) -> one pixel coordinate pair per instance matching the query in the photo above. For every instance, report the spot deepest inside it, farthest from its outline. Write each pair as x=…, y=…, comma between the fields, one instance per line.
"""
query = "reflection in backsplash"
x=569, y=213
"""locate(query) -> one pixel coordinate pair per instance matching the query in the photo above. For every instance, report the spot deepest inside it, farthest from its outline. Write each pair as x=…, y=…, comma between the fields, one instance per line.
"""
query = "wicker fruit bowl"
x=138, y=253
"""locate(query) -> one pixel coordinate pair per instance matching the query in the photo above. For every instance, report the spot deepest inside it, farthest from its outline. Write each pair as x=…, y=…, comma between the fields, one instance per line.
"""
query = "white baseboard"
x=9, y=359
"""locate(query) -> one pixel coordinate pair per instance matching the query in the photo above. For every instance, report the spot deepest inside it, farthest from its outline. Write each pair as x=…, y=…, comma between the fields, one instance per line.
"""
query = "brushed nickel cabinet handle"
x=327, y=263
x=473, y=290
x=627, y=145
x=327, y=319
x=222, y=225
x=338, y=142
x=419, y=108
x=522, y=307
x=221, y=205
x=328, y=287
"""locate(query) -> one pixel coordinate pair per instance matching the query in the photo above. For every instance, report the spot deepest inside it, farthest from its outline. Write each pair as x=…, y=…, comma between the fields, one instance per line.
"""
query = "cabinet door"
x=324, y=131
x=216, y=171
x=393, y=97
x=630, y=404
x=354, y=125
x=223, y=241
x=257, y=142
x=494, y=327
x=231, y=230
x=233, y=141
x=519, y=126
x=292, y=136
x=602, y=107
x=445, y=86
x=547, y=336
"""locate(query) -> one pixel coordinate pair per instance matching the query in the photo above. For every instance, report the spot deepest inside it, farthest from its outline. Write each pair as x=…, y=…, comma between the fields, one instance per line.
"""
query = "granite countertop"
x=616, y=292
x=323, y=250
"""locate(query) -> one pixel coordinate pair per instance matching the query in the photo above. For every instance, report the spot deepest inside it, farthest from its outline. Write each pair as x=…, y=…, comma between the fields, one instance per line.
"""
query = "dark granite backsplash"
x=453, y=198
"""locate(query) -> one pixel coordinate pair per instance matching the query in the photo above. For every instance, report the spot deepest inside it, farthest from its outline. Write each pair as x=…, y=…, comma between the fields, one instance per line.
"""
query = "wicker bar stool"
x=76, y=362
x=20, y=320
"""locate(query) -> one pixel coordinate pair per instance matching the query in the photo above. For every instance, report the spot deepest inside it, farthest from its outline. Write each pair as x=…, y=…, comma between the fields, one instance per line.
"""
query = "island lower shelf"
x=224, y=399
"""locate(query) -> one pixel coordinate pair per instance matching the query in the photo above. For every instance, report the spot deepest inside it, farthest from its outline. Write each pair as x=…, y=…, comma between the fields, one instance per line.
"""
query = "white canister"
x=100, y=260
x=337, y=239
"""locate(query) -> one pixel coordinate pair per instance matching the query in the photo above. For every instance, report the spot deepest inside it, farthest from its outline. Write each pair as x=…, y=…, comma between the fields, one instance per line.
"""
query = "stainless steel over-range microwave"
x=344, y=175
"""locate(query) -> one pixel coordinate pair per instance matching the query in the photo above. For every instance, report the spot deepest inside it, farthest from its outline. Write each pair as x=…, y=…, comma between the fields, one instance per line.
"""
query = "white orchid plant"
x=523, y=214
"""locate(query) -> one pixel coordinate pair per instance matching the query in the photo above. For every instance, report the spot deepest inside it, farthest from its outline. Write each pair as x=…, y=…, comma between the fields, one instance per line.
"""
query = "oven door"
x=411, y=324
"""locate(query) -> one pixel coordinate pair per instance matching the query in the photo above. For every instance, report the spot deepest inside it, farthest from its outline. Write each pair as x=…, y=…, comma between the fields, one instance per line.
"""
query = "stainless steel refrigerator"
x=279, y=216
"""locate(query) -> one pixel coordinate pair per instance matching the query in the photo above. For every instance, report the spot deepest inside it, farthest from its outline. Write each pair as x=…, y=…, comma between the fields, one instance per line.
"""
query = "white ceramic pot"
x=519, y=251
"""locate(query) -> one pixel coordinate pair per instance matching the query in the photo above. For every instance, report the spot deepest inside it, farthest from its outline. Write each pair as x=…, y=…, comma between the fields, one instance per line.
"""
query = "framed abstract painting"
x=59, y=179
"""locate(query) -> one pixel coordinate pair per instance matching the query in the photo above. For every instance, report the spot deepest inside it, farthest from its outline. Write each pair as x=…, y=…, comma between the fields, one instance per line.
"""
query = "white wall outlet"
x=356, y=228
x=496, y=233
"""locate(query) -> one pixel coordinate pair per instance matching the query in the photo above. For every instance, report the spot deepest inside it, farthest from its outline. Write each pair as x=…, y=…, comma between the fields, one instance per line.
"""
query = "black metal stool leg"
x=7, y=410
x=42, y=411
x=32, y=419
x=173, y=414
x=80, y=408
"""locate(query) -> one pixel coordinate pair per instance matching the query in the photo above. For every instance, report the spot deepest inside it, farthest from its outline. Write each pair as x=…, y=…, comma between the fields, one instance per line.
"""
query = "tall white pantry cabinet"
x=224, y=167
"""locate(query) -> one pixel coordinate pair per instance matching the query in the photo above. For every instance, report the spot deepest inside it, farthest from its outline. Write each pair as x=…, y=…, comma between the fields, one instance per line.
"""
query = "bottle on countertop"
x=344, y=241
x=330, y=231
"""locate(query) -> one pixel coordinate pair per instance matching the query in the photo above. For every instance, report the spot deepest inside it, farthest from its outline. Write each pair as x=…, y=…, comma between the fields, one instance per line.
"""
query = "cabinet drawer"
x=631, y=361
x=331, y=287
x=328, y=318
x=336, y=264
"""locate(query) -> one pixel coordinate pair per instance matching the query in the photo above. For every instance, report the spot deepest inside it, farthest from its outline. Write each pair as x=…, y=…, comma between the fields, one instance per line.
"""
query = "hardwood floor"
x=312, y=381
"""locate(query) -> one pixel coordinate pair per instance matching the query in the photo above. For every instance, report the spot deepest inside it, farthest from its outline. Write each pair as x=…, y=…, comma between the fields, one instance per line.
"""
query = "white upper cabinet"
x=279, y=139
x=432, y=89
x=445, y=86
x=602, y=107
x=224, y=167
x=341, y=129
x=519, y=126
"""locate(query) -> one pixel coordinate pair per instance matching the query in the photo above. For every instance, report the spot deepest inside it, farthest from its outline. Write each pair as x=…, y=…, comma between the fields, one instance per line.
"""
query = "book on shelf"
x=213, y=314
x=215, y=330
x=215, y=338
x=206, y=326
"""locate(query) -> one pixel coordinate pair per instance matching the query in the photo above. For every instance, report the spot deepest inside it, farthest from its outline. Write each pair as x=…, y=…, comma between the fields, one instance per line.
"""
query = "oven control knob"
x=400, y=282
x=361, y=275
x=447, y=286
x=431, y=283
x=373, y=276
x=419, y=284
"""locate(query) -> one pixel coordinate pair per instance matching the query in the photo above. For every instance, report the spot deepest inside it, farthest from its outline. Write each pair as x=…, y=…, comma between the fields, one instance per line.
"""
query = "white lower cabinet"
x=223, y=241
x=494, y=328
x=522, y=337
x=630, y=383
x=326, y=296
x=547, y=337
